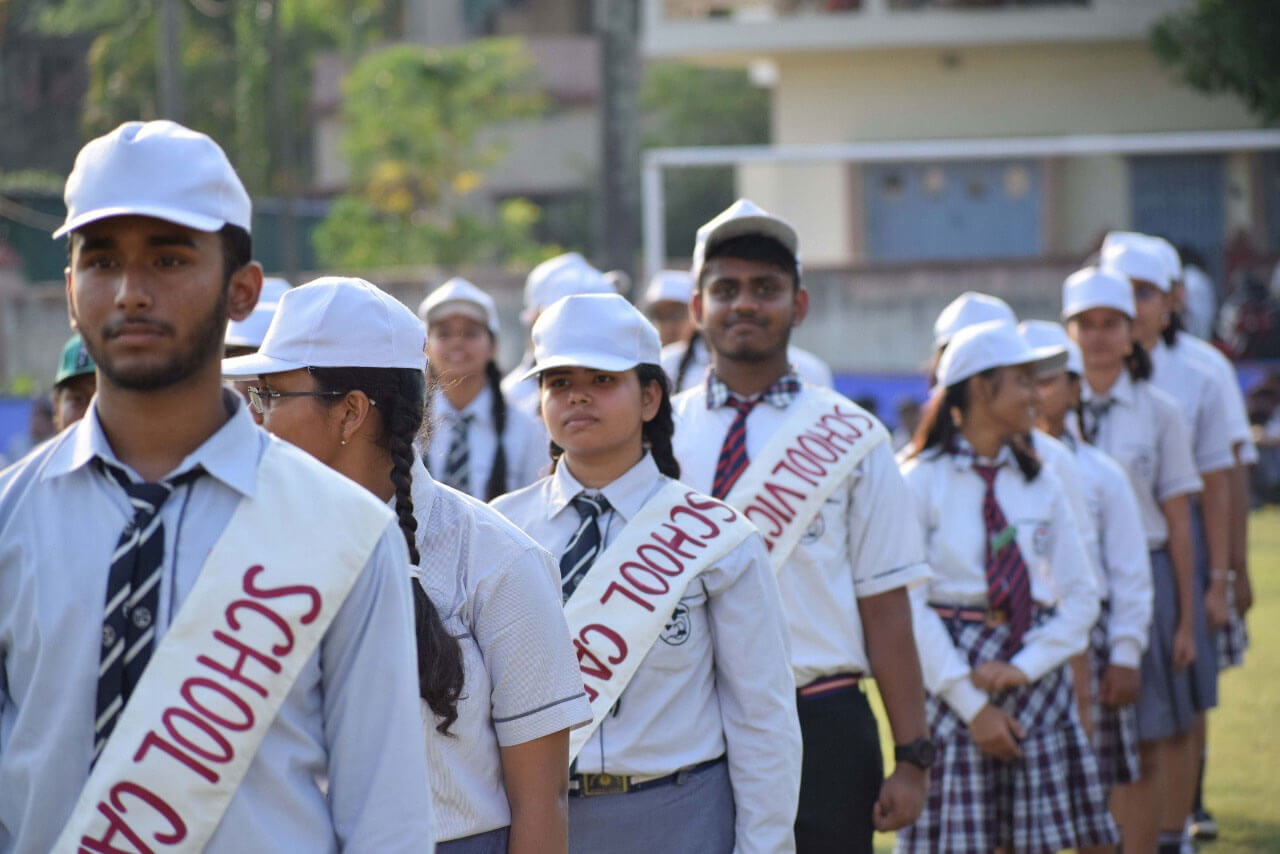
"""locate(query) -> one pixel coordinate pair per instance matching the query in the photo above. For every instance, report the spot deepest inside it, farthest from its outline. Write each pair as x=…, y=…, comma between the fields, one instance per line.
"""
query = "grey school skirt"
x=1165, y=703
x=489, y=842
x=1204, y=673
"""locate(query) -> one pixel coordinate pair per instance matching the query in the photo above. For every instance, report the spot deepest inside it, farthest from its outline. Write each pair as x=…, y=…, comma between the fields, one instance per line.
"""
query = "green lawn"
x=1244, y=732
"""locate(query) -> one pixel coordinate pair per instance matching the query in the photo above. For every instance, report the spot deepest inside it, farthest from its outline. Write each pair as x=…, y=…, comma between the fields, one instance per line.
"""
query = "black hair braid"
x=659, y=429
x=938, y=430
x=1171, y=330
x=677, y=382
x=1138, y=362
x=497, y=484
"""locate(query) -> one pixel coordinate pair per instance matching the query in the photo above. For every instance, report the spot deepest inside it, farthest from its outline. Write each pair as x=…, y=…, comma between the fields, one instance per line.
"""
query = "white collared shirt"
x=949, y=496
x=808, y=366
x=523, y=394
x=1146, y=433
x=497, y=593
x=1062, y=461
x=524, y=442
x=352, y=717
x=1190, y=382
x=1229, y=384
x=719, y=685
x=1121, y=553
x=862, y=544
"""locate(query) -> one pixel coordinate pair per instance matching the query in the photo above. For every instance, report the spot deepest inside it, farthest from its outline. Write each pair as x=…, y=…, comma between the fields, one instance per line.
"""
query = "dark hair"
x=399, y=395
x=1171, y=330
x=657, y=431
x=1138, y=362
x=685, y=361
x=938, y=430
x=755, y=247
x=237, y=250
x=497, y=484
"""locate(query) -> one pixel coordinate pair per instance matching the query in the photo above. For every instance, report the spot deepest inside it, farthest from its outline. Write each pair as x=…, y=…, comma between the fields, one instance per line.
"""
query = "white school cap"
x=742, y=217
x=158, y=169
x=670, y=286
x=1096, y=288
x=458, y=296
x=250, y=331
x=967, y=309
x=559, y=277
x=1166, y=250
x=1135, y=260
x=1046, y=333
x=336, y=322
x=601, y=331
x=992, y=344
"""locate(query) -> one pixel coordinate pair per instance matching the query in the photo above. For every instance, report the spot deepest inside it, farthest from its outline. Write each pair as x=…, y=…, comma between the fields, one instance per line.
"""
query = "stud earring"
x=344, y=441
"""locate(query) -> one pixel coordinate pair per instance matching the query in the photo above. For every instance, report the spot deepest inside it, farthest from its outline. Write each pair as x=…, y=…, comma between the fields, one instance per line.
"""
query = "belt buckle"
x=604, y=784
x=996, y=617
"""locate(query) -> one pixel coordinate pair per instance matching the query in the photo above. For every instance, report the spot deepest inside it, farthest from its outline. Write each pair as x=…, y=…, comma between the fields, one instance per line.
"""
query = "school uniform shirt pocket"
x=1035, y=537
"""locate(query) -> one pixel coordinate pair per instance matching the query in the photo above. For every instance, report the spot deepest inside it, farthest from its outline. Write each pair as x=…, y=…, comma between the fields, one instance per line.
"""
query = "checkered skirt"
x=1049, y=800
x=1234, y=639
x=1115, y=731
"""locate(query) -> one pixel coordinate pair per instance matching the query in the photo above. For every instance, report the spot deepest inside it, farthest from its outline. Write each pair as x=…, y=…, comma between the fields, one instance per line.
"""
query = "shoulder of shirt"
x=336, y=487
x=687, y=399
x=1166, y=404
x=21, y=476
x=1047, y=446
x=488, y=519
x=509, y=504
x=1205, y=351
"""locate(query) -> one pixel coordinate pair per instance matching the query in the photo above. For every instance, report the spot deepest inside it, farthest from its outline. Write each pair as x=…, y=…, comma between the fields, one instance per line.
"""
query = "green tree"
x=421, y=128
x=1226, y=46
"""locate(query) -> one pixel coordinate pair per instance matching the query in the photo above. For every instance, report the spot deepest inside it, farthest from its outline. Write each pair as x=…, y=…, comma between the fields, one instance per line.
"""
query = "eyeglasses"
x=259, y=397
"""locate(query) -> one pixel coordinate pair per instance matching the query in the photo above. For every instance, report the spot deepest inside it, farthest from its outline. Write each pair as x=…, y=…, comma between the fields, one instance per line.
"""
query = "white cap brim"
x=590, y=361
x=179, y=217
x=255, y=364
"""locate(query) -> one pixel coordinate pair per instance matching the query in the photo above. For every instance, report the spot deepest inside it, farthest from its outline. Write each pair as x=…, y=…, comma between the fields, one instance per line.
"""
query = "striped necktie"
x=1096, y=409
x=1008, y=582
x=585, y=544
x=133, y=596
x=457, y=465
x=733, y=453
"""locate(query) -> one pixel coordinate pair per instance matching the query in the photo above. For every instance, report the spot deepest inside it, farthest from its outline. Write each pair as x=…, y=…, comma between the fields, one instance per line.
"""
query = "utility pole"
x=281, y=141
x=169, y=65
x=617, y=25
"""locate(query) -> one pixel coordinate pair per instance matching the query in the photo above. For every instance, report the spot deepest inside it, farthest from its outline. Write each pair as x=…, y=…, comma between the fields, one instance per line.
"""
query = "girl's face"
x=1153, y=307
x=1104, y=336
x=458, y=346
x=1058, y=395
x=596, y=414
x=304, y=420
x=1010, y=398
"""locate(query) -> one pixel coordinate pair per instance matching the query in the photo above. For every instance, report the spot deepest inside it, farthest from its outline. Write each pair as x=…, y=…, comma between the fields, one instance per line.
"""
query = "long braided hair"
x=497, y=484
x=656, y=432
x=686, y=360
x=399, y=396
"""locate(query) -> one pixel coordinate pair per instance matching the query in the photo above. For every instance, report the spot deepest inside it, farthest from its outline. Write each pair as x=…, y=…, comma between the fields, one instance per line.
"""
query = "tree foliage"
x=1226, y=46
x=420, y=132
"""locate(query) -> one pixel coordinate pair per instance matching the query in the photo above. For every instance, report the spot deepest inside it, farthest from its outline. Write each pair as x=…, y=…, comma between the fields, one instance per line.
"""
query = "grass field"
x=1243, y=788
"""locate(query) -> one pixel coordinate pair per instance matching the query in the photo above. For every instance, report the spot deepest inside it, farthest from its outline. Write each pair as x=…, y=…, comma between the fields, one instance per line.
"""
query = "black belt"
x=586, y=785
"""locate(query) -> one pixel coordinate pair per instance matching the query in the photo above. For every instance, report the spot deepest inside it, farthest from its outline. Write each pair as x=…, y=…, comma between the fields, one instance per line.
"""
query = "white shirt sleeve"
x=1068, y=472
x=887, y=549
x=1128, y=566
x=1212, y=433
x=757, y=698
x=1176, y=472
x=945, y=670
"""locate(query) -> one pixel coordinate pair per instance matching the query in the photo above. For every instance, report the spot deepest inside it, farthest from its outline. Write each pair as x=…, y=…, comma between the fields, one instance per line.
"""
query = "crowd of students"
x=655, y=635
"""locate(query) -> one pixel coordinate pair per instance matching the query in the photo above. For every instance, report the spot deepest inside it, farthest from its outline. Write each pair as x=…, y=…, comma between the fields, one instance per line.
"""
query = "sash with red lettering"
x=782, y=491
x=625, y=601
x=263, y=600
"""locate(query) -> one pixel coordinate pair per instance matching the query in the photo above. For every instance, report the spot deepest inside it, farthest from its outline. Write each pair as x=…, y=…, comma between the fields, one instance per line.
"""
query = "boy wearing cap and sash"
x=74, y=384
x=182, y=672
x=672, y=607
x=816, y=474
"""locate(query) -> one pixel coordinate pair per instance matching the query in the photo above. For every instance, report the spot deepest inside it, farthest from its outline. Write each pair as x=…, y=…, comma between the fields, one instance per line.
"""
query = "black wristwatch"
x=919, y=753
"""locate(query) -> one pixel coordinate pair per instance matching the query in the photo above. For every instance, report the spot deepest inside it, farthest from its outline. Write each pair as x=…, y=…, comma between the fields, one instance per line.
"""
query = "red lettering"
x=785, y=465
x=592, y=693
x=630, y=594
x=849, y=418
x=188, y=693
x=627, y=571
x=117, y=825
x=821, y=431
x=824, y=422
x=678, y=538
x=702, y=502
x=277, y=592
x=780, y=493
x=614, y=638
x=599, y=670
x=776, y=510
x=805, y=441
x=713, y=529
x=753, y=510
x=664, y=557
x=235, y=671
x=154, y=740
x=169, y=715
x=234, y=622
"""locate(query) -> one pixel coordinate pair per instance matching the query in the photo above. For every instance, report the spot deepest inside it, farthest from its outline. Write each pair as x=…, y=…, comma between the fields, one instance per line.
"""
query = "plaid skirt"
x=1234, y=639
x=1049, y=800
x=1115, y=731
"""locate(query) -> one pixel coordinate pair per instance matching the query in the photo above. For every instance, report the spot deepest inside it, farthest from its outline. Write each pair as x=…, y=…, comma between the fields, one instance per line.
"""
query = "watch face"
x=927, y=752
x=921, y=752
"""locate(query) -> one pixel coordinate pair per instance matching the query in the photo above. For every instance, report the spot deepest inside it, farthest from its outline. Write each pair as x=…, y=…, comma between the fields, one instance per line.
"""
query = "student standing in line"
x=843, y=556
x=255, y=602
x=1006, y=608
x=1143, y=429
x=74, y=384
x=968, y=309
x=699, y=751
x=478, y=444
x=340, y=376
x=1119, y=636
x=245, y=336
x=666, y=304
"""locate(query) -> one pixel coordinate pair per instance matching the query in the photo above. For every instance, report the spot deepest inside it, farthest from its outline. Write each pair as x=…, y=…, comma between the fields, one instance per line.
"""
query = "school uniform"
x=1052, y=798
x=524, y=443
x=1059, y=458
x=862, y=544
x=351, y=718
x=522, y=393
x=809, y=367
x=497, y=593
x=709, y=716
x=1143, y=429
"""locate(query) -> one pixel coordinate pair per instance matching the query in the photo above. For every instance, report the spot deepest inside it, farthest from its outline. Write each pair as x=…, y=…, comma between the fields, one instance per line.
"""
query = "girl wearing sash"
x=1123, y=414
x=1007, y=607
x=499, y=682
x=479, y=445
x=700, y=751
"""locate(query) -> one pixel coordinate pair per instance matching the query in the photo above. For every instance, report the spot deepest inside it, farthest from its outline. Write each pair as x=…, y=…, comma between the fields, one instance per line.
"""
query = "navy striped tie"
x=457, y=464
x=733, y=453
x=1008, y=582
x=584, y=545
x=133, y=596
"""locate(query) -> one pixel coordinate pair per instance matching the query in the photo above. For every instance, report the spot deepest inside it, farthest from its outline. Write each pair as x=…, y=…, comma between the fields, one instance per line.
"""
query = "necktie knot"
x=743, y=407
x=147, y=498
x=590, y=506
x=1097, y=410
x=988, y=474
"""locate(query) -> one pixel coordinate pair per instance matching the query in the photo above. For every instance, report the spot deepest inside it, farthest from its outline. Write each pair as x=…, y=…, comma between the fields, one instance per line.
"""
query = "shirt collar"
x=963, y=457
x=230, y=455
x=1121, y=392
x=627, y=494
x=480, y=408
x=780, y=395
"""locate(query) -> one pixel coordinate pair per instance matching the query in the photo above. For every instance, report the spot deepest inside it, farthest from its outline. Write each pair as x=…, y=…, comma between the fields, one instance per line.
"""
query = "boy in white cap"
x=551, y=280
x=1005, y=609
x=816, y=474
x=672, y=605
x=666, y=304
x=253, y=602
x=478, y=444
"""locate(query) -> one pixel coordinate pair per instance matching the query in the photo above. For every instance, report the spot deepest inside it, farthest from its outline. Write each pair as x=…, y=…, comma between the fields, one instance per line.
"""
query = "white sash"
x=623, y=604
x=264, y=598
x=783, y=489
